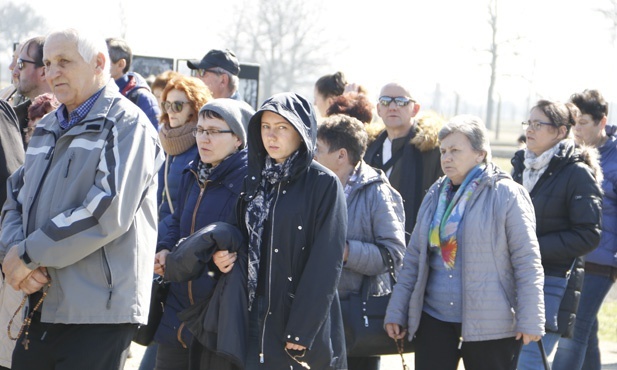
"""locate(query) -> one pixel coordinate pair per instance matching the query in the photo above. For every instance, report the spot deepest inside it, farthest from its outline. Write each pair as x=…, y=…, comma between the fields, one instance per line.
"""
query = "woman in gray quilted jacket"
x=376, y=219
x=471, y=283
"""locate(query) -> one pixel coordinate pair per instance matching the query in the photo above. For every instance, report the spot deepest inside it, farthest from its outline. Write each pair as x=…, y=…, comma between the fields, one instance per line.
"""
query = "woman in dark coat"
x=294, y=217
x=563, y=181
x=209, y=188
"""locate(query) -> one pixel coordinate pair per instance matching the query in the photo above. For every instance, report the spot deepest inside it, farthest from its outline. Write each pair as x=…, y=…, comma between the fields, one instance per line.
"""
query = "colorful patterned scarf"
x=448, y=215
x=257, y=212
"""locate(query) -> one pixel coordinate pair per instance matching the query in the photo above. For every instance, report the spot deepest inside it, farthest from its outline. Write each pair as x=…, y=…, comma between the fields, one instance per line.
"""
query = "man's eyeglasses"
x=175, y=106
x=20, y=63
x=400, y=101
x=536, y=125
x=202, y=72
x=210, y=132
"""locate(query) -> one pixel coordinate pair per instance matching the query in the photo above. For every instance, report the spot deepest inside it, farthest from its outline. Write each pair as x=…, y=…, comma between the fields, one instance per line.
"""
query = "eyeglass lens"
x=175, y=106
x=399, y=100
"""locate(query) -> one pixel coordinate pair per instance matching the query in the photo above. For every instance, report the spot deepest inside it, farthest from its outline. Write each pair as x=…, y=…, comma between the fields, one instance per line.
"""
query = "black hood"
x=298, y=111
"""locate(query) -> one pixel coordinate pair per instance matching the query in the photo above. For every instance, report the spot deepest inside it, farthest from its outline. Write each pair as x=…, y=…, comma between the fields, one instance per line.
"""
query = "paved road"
x=609, y=358
x=609, y=352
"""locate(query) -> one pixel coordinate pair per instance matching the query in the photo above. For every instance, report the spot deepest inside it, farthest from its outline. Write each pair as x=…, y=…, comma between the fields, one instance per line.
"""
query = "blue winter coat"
x=136, y=89
x=197, y=208
x=606, y=253
x=177, y=165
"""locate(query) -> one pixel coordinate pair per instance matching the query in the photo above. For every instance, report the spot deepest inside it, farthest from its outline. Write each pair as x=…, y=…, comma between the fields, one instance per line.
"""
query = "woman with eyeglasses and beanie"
x=181, y=99
x=471, y=283
x=208, y=190
x=292, y=213
x=564, y=182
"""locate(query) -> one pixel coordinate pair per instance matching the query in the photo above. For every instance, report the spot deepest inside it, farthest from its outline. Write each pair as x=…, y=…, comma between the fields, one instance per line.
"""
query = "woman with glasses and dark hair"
x=564, y=182
x=209, y=187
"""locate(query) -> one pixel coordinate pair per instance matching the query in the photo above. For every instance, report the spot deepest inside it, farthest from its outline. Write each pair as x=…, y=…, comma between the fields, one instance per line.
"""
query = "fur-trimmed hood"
x=591, y=156
x=570, y=152
x=427, y=132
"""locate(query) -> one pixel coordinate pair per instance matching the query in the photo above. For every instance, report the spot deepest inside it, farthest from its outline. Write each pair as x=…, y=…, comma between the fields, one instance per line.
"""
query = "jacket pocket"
x=108, y=275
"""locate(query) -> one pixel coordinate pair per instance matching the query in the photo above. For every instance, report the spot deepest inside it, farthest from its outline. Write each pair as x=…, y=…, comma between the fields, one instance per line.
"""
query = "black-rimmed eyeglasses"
x=536, y=125
x=210, y=132
x=20, y=63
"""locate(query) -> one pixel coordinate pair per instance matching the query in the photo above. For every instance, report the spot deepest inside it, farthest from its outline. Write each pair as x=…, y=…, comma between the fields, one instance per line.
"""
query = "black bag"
x=363, y=320
x=145, y=333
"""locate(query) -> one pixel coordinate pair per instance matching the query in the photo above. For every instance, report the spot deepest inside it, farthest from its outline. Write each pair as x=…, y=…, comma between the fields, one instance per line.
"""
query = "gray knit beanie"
x=235, y=113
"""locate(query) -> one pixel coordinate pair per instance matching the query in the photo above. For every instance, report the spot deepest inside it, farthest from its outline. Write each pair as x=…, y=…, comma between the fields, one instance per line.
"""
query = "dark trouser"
x=363, y=363
x=437, y=347
x=171, y=357
x=73, y=346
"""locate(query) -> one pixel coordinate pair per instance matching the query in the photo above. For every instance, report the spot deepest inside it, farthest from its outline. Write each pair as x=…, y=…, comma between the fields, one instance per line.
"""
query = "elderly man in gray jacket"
x=79, y=223
x=376, y=218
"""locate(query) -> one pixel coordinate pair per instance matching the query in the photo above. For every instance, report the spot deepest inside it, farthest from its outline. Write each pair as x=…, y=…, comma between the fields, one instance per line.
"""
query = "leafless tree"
x=284, y=37
x=17, y=23
x=493, y=50
x=497, y=46
x=610, y=13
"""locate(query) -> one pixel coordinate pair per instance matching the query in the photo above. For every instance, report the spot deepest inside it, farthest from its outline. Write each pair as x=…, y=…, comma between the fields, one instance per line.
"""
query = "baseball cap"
x=225, y=59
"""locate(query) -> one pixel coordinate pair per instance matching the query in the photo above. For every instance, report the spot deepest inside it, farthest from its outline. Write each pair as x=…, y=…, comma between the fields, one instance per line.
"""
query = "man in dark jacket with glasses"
x=407, y=150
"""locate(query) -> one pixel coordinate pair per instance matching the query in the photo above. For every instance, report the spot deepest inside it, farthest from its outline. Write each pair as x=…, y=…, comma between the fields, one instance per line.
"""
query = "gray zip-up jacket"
x=376, y=218
x=84, y=206
x=502, y=271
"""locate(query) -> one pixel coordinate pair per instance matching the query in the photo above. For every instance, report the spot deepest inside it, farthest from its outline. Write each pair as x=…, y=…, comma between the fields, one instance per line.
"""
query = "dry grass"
x=607, y=319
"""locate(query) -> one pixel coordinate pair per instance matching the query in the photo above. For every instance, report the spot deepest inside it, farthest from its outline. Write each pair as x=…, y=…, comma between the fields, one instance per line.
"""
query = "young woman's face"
x=279, y=137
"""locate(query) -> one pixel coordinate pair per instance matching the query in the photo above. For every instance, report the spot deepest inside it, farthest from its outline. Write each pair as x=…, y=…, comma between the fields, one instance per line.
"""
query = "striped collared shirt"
x=78, y=114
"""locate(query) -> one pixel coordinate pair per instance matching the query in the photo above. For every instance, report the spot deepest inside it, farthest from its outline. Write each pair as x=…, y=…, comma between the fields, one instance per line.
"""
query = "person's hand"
x=15, y=270
x=351, y=87
x=294, y=346
x=224, y=260
x=395, y=331
x=35, y=281
x=159, y=262
x=527, y=338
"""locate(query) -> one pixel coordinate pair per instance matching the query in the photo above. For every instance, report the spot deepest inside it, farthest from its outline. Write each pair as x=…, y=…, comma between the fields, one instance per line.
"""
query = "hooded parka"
x=306, y=230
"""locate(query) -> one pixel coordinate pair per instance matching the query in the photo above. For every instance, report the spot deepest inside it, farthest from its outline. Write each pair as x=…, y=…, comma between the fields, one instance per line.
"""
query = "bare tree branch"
x=283, y=37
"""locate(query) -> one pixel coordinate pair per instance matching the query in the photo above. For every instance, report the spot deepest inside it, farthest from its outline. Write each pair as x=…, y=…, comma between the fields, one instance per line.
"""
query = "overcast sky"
x=563, y=46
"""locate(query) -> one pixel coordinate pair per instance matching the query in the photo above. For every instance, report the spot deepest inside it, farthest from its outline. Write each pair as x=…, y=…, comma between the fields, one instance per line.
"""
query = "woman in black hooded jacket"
x=293, y=214
x=563, y=181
